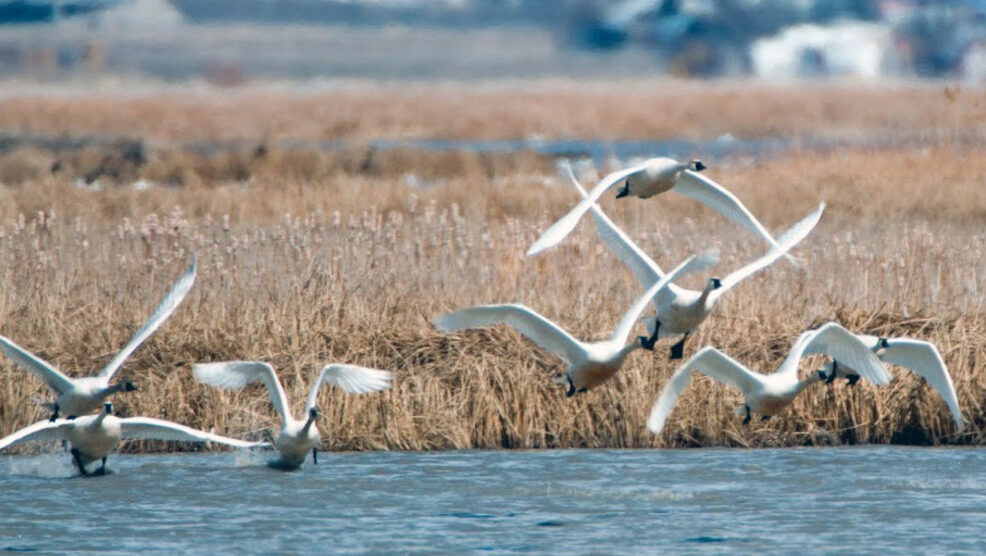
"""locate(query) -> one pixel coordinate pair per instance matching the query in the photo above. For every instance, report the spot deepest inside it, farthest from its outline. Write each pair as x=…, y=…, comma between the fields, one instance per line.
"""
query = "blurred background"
x=232, y=42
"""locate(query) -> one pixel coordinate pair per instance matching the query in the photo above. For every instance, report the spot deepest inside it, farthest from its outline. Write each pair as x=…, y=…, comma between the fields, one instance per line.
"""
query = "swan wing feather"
x=787, y=241
x=55, y=379
x=168, y=306
x=923, y=358
x=834, y=340
x=535, y=327
x=42, y=430
x=237, y=374
x=557, y=232
x=159, y=429
x=351, y=378
x=710, y=193
x=708, y=361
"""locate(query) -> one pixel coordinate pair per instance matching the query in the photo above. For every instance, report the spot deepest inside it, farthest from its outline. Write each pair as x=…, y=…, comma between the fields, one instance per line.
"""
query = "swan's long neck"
x=108, y=391
x=308, y=425
x=703, y=300
x=627, y=350
x=118, y=387
x=806, y=382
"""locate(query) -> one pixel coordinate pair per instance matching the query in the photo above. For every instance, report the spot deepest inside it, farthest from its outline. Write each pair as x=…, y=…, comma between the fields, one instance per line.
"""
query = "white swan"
x=93, y=437
x=653, y=176
x=79, y=396
x=590, y=363
x=679, y=310
x=917, y=355
x=296, y=438
x=770, y=394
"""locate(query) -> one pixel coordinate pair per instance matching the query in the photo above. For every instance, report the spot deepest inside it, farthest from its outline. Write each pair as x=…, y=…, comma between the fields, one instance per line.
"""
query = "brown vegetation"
x=321, y=257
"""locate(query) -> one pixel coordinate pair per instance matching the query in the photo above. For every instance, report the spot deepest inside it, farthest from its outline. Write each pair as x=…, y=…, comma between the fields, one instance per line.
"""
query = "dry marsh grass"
x=632, y=109
x=319, y=257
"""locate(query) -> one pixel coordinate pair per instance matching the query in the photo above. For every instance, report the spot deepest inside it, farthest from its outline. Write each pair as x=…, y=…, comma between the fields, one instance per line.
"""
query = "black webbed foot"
x=571, y=387
x=624, y=191
x=581, y=391
x=77, y=457
x=648, y=343
x=765, y=418
x=678, y=350
x=315, y=455
x=852, y=379
x=831, y=377
x=54, y=415
x=746, y=421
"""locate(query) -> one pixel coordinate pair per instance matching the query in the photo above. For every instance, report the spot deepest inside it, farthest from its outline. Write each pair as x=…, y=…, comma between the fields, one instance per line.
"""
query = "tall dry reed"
x=301, y=273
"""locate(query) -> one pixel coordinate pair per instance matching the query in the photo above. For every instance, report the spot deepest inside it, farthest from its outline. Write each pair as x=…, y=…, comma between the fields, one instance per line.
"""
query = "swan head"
x=313, y=414
x=714, y=284
x=108, y=408
x=883, y=343
x=128, y=386
x=696, y=165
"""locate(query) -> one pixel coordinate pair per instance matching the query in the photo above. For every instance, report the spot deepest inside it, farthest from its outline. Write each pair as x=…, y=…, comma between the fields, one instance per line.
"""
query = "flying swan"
x=589, y=363
x=296, y=438
x=80, y=396
x=917, y=355
x=770, y=394
x=93, y=437
x=679, y=310
x=653, y=176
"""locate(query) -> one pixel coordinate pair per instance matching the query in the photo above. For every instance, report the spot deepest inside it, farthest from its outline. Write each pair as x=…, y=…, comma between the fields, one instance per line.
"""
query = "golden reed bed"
x=315, y=257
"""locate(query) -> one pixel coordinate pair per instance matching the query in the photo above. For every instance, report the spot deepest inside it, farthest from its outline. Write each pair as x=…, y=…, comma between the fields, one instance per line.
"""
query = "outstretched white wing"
x=237, y=374
x=566, y=224
x=351, y=378
x=158, y=429
x=643, y=267
x=838, y=343
x=55, y=379
x=709, y=361
x=691, y=264
x=787, y=241
x=923, y=358
x=171, y=301
x=538, y=329
x=42, y=430
x=710, y=193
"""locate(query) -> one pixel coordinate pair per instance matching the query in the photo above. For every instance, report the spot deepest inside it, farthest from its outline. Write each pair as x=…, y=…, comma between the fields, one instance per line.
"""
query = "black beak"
x=716, y=283
x=699, y=166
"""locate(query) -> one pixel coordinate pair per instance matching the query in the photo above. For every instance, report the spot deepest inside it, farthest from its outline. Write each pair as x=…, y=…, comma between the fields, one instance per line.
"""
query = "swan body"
x=917, y=355
x=649, y=178
x=93, y=437
x=770, y=394
x=81, y=396
x=590, y=363
x=680, y=310
x=297, y=437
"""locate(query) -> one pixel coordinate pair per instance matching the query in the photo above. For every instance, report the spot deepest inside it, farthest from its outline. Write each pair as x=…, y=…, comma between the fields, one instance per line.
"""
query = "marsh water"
x=820, y=500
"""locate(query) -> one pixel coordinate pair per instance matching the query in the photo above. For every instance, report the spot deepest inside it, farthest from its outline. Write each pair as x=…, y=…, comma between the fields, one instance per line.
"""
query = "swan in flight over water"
x=589, y=363
x=770, y=394
x=81, y=396
x=653, y=176
x=679, y=310
x=916, y=355
x=296, y=438
x=93, y=437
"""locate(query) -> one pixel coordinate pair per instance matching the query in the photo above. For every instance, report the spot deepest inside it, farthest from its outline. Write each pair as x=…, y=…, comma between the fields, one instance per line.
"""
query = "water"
x=819, y=500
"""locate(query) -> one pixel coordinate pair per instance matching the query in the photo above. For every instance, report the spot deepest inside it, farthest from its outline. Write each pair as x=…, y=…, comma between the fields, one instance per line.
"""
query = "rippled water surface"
x=834, y=500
